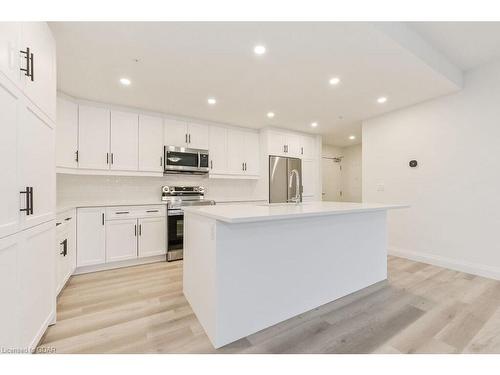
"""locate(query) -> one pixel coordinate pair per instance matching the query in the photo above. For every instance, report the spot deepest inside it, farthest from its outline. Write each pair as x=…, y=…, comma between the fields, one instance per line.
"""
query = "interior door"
x=124, y=145
x=93, y=137
x=152, y=239
x=176, y=133
x=9, y=189
x=331, y=180
x=121, y=240
x=66, y=133
x=36, y=156
x=235, y=151
x=198, y=136
x=150, y=143
x=217, y=150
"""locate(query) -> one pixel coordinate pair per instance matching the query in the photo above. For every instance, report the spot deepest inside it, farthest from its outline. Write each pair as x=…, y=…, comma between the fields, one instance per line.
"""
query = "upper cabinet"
x=184, y=134
x=124, y=145
x=283, y=143
x=93, y=137
x=67, y=133
x=217, y=149
x=150, y=143
x=242, y=153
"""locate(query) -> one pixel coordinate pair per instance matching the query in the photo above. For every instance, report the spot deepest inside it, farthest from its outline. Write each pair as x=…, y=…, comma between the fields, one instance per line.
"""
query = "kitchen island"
x=248, y=267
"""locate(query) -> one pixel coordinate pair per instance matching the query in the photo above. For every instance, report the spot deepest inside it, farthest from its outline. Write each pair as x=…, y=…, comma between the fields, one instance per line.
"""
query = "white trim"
x=106, y=172
x=457, y=265
x=51, y=319
x=120, y=264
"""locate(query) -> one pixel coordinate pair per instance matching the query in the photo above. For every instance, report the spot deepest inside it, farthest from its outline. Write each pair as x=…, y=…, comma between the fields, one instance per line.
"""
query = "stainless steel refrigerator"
x=285, y=179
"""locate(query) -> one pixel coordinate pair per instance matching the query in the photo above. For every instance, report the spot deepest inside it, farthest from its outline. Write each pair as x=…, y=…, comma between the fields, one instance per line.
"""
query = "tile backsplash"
x=98, y=189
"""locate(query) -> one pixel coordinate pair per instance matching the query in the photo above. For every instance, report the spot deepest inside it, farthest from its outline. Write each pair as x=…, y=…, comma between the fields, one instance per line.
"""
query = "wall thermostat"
x=413, y=163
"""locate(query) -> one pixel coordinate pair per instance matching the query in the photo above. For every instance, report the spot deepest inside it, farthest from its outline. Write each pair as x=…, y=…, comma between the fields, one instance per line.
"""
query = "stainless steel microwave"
x=185, y=160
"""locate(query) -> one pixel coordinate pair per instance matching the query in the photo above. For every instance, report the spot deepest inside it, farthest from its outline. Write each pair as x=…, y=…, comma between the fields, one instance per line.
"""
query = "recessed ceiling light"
x=125, y=81
x=334, y=81
x=259, y=50
x=314, y=124
x=270, y=114
x=352, y=137
x=382, y=99
x=212, y=101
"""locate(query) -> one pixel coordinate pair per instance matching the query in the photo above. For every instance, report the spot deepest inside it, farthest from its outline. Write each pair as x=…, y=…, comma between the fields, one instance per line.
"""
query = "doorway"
x=332, y=184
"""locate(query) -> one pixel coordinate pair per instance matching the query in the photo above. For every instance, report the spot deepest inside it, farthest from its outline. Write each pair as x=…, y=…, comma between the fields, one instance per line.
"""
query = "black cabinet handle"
x=122, y=212
x=161, y=161
x=135, y=230
x=186, y=138
x=107, y=157
x=242, y=166
x=76, y=156
x=65, y=247
x=112, y=158
x=27, y=192
x=57, y=224
x=31, y=200
x=149, y=211
x=189, y=138
x=140, y=229
x=103, y=219
x=67, y=219
x=302, y=150
x=28, y=71
x=211, y=164
x=32, y=67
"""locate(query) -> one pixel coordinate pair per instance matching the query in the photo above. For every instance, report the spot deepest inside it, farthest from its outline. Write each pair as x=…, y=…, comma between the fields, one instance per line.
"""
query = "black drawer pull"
x=122, y=212
x=67, y=219
x=149, y=211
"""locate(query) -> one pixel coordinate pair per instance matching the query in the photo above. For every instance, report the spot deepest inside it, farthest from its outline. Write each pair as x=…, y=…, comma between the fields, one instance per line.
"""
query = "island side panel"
x=268, y=272
x=199, y=277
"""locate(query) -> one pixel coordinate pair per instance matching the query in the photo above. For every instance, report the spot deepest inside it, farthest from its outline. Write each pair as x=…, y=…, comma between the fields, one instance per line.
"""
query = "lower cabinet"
x=27, y=289
x=113, y=234
x=65, y=252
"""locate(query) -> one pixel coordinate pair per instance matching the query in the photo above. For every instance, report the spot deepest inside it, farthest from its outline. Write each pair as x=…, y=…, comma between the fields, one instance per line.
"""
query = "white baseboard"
x=121, y=264
x=436, y=260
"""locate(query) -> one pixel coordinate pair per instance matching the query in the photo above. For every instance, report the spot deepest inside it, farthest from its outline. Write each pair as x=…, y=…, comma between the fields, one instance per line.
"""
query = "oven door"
x=175, y=223
x=185, y=160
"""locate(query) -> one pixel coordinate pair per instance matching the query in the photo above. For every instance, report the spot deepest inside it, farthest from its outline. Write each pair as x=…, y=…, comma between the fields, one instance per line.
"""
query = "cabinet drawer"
x=134, y=212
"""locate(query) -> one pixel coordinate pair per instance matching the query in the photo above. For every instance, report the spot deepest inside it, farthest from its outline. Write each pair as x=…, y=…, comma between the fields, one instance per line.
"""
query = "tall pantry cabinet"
x=27, y=186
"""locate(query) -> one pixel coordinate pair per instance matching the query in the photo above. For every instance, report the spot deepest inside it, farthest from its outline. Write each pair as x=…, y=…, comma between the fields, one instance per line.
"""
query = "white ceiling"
x=468, y=45
x=182, y=64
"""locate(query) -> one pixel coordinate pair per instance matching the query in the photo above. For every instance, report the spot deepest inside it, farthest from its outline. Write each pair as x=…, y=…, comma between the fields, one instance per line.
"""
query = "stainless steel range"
x=177, y=197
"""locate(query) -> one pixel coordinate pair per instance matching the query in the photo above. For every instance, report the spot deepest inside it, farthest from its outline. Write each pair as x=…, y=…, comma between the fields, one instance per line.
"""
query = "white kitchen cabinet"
x=10, y=33
x=197, y=136
x=183, y=134
x=67, y=133
x=176, y=133
x=36, y=167
x=38, y=38
x=93, y=137
x=217, y=149
x=276, y=143
x=121, y=240
x=293, y=142
x=282, y=143
x=152, y=236
x=309, y=177
x=150, y=143
x=9, y=313
x=36, y=280
x=9, y=190
x=124, y=145
x=307, y=149
x=65, y=250
x=252, y=154
x=235, y=151
x=91, y=234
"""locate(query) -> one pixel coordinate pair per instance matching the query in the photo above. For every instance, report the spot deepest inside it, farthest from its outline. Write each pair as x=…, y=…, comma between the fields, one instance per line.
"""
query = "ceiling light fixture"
x=125, y=81
x=259, y=50
x=334, y=81
x=212, y=101
x=270, y=114
x=314, y=124
x=382, y=100
x=352, y=137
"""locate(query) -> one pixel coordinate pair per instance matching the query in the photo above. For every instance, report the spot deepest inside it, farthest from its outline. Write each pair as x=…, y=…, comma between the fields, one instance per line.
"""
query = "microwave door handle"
x=199, y=160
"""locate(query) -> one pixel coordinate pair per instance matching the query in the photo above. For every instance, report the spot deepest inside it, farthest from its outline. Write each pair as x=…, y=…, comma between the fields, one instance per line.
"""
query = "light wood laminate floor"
x=420, y=309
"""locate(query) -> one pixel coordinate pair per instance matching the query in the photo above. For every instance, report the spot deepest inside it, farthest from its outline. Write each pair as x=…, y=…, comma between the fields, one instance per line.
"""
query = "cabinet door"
x=235, y=151
x=124, y=141
x=36, y=167
x=42, y=89
x=9, y=313
x=276, y=143
x=93, y=137
x=307, y=147
x=252, y=154
x=150, y=143
x=198, y=136
x=90, y=241
x=121, y=240
x=176, y=133
x=309, y=180
x=36, y=265
x=152, y=239
x=9, y=50
x=293, y=142
x=217, y=149
x=66, y=133
x=9, y=190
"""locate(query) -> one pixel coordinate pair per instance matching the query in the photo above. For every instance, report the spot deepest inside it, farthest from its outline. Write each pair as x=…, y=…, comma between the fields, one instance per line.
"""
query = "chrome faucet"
x=295, y=173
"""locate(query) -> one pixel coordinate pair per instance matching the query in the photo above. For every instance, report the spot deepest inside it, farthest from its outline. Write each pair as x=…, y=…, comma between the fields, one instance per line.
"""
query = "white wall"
x=75, y=189
x=454, y=217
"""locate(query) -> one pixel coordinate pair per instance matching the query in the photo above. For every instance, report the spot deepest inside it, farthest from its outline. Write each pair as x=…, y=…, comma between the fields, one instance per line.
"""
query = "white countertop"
x=243, y=213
